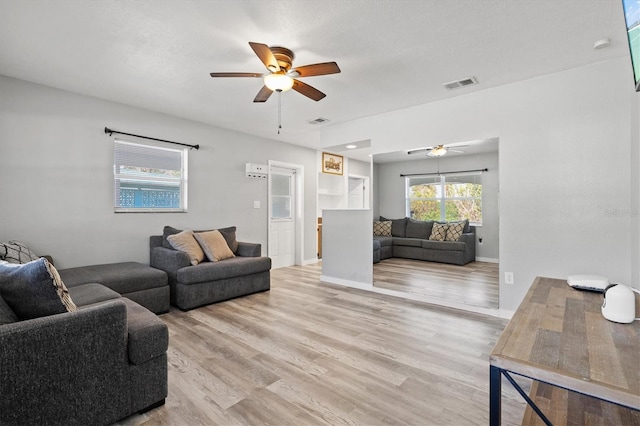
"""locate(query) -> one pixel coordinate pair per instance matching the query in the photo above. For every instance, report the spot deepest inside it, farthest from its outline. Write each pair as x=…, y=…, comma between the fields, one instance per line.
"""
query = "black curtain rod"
x=443, y=173
x=111, y=132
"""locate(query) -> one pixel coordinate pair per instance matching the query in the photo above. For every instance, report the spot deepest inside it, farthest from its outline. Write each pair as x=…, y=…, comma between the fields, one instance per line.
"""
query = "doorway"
x=358, y=192
x=285, y=246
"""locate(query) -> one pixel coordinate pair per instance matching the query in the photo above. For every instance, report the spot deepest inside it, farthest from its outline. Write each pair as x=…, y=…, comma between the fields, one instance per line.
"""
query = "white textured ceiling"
x=157, y=55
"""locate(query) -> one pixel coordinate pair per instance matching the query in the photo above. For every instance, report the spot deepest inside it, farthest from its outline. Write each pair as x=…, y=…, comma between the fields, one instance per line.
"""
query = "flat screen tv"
x=632, y=19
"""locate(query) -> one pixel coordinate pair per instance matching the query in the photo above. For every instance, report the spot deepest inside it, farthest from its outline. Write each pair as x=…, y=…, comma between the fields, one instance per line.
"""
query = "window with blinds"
x=148, y=178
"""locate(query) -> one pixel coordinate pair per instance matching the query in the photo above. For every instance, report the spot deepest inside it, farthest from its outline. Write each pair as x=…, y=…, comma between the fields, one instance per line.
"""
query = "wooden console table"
x=585, y=368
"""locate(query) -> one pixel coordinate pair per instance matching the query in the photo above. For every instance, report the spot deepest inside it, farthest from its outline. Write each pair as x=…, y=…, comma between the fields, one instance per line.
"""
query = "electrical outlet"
x=508, y=277
x=480, y=241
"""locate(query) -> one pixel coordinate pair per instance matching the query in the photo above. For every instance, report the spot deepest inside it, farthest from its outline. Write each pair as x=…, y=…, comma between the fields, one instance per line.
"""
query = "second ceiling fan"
x=281, y=76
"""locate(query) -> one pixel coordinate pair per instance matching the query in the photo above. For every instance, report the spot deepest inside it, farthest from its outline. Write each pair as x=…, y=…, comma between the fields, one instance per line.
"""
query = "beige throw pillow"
x=382, y=228
x=184, y=241
x=214, y=245
x=439, y=231
x=454, y=231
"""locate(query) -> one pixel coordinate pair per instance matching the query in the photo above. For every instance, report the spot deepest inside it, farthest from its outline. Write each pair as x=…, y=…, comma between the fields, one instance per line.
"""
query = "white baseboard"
x=487, y=259
x=346, y=283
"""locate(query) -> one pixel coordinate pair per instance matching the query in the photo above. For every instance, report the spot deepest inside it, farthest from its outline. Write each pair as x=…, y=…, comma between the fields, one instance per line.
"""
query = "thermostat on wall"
x=588, y=282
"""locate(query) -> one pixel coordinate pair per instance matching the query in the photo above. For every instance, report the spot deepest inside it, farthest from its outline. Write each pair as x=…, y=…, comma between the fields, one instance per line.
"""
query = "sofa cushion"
x=444, y=245
x=214, y=245
x=407, y=242
x=439, y=231
x=398, y=226
x=7, y=316
x=228, y=268
x=34, y=289
x=185, y=241
x=87, y=294
x=454, y=231
x=384, y=241
x=418, y=228
x=382, y=228
x=229, y=235
x=16, y=252
x=123, y=277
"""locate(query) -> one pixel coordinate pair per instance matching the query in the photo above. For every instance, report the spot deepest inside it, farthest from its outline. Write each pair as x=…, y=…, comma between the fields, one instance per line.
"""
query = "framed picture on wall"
x=332, y=164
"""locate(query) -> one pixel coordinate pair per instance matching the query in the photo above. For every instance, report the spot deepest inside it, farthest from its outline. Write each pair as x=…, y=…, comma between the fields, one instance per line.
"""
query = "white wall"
x=391, y=192
x=56, y=172
x=347, y=257
x=564, y=167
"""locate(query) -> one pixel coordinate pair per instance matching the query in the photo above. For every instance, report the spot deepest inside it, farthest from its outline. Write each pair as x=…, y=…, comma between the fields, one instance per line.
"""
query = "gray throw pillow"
x=419, y=229
x=34, y=289
x=398, y=226
x=229, y=235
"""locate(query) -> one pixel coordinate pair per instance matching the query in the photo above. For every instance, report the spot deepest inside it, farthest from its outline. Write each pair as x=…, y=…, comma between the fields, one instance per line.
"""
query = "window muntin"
x=446, y=197
x=148, y=178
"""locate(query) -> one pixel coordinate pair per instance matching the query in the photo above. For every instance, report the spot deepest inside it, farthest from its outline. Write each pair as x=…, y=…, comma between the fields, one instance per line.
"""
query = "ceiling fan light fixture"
x=438, y=151
x=278, y=82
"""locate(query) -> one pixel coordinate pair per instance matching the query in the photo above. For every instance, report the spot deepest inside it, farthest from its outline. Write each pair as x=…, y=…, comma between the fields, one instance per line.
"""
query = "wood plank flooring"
x=310, y=353
x=474, y=284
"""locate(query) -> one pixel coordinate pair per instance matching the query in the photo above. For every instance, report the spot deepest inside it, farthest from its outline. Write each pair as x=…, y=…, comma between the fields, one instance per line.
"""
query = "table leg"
x=495, y=395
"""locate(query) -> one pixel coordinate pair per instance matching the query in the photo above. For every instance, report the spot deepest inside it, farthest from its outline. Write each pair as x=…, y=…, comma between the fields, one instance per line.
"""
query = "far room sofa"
x=198, y=283
x=410, y=239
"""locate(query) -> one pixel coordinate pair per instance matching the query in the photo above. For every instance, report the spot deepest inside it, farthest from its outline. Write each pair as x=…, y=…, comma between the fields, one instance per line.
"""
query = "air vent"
x=460, y=83
x=318, y=120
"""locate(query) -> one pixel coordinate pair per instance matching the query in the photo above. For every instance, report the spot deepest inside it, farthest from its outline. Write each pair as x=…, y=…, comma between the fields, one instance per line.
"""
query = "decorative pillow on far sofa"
x=214, y=245
x=382, y=228
x=34, y=289
x=439, y=231
x=17, y=252
x=185, y=241
x=454, y=231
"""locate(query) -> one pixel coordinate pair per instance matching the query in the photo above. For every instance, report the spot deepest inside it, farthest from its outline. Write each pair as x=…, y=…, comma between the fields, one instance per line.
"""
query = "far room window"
x=149, y=178
x=445, y=198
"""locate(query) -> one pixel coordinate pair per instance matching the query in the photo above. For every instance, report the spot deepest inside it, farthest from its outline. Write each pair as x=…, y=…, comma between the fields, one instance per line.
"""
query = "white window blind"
x=149, y=178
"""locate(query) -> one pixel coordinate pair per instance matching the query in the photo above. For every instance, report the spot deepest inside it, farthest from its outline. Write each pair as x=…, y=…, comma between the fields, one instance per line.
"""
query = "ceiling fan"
x=281, y=77
x=438, y=150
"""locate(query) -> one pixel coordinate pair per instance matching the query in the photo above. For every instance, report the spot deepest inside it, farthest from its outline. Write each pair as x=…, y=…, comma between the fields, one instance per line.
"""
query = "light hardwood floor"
x=310, y=353
x=474, y=284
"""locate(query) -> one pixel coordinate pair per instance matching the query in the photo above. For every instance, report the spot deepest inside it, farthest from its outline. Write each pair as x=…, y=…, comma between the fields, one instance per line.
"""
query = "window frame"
x=182, y=181
x=442, y=199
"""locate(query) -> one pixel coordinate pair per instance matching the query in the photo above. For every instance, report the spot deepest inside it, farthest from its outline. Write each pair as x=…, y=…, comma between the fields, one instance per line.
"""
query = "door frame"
x=366, y=192
x=298, y=209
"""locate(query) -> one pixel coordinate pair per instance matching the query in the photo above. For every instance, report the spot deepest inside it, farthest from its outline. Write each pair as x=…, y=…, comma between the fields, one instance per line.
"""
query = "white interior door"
x=358, y=197
x=282, y=226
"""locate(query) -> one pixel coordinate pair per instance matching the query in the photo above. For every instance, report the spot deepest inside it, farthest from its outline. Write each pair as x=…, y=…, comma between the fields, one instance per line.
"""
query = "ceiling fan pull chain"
x=279, y=110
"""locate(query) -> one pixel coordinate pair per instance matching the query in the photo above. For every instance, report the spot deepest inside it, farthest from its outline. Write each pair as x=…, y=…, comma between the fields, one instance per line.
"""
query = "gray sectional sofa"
x=409, y=239
x=95, y=365
x=210, y=282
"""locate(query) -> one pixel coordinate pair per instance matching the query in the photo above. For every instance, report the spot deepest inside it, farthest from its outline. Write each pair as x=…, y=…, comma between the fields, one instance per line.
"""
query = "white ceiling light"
x=278, y=82
x=438, y=151
x=351, y=146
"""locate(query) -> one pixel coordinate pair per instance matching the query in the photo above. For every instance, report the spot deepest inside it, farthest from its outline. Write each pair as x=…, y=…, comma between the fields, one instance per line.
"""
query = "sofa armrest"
x=168, y=260
x=66, y=363
x=470, y=251
x=249, y=249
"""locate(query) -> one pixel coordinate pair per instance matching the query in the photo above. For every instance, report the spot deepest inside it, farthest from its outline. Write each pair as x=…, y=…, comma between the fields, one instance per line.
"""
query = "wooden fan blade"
x=308, y=91
x=266, y=56
x=235, y=74
x=263, y=94
x=317, y=69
